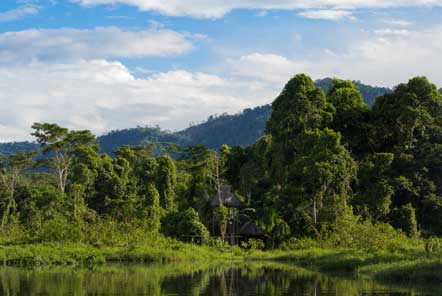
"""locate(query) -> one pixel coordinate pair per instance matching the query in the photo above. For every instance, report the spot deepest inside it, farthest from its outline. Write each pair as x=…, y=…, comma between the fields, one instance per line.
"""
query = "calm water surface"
x=223, y=279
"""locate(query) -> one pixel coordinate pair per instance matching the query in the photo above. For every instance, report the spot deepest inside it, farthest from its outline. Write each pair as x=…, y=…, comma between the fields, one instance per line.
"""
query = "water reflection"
x=217, y=279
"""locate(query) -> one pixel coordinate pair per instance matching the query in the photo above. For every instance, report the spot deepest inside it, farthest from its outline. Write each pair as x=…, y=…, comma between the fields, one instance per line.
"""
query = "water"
x=218, y=279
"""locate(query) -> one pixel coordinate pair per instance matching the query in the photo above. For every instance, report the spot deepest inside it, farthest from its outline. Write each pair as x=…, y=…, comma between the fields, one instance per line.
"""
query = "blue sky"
x=111, y=64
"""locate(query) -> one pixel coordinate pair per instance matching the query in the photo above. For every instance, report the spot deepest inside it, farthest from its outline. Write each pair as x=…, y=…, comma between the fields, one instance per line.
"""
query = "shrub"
x=350, y=231
x=300, y=244
x=185, y=226
x=253, y=244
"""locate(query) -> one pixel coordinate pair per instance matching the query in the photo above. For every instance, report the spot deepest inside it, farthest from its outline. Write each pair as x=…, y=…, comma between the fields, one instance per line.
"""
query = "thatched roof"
x=225, y=198
x=251, y=229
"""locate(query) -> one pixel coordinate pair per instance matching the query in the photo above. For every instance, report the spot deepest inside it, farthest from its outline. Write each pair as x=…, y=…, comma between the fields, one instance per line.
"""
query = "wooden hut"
x=224, y=197
x=235, y=232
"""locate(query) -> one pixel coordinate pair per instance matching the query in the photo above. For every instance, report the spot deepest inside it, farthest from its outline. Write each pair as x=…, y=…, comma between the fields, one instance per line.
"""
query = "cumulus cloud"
x=18, y=13
x=266, y=67
x=332, y=15
x=99, y=43
x=381, y=60
x=218, y=8
x=102, y=95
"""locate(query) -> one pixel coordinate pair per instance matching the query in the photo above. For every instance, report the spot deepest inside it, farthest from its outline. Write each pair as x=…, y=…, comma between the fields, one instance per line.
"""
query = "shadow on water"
x=217, y=279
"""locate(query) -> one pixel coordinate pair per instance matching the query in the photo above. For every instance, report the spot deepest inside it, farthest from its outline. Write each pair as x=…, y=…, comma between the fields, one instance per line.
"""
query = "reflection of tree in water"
x=262, y=281
x=274, y=281
x=224, y=279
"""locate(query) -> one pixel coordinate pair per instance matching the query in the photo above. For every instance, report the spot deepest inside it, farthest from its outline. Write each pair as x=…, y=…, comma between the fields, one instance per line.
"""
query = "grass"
x=39, y=254
x=402, y=265
x=416, y=271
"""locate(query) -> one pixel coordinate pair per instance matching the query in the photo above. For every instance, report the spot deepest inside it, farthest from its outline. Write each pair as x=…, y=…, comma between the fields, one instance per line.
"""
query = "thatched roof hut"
x=225, y=198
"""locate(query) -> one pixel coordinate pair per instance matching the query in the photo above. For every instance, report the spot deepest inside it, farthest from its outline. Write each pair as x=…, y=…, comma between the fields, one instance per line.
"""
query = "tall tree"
x=62, y=143
x=320, y=179
x=374, y=190
x=350, y=116
x=166, y=182
x=301, y=106
x=12, y=168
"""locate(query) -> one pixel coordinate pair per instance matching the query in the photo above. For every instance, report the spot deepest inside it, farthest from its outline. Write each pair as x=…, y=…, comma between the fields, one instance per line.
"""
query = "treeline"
x=327, y=161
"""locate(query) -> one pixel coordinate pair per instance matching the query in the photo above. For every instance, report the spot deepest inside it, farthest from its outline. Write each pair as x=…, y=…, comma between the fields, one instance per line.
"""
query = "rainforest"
x=333, y=185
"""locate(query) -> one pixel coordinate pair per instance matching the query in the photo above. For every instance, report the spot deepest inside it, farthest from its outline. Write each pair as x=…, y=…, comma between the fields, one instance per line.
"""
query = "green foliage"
x=405, y=218
x=350, y=114
x=253, y=244
x=300, y=106
x=221, y=216
x=350, y=231
x=185, y=226
x=374, y=189
x=166, y=182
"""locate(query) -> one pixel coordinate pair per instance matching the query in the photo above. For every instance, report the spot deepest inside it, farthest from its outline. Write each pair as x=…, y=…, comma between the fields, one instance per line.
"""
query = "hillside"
x=241, y=129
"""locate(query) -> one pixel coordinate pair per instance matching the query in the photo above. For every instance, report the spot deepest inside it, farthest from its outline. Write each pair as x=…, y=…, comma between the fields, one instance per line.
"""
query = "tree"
x=166, y=182
x=405, y=218
x=301, y=106
x=374, y=190
x=150, y=209
x=350, y=114
x=12, y=168
x=407, y=116
x=196, y=177
x=185, y=226
x=321, y=178
x=62, y=143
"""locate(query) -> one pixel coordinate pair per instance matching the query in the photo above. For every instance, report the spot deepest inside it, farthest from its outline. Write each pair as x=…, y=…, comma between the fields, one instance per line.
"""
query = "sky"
x=112, y=64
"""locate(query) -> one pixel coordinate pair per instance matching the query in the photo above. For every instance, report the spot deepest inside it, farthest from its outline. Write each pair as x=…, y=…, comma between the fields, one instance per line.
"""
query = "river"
x=216, y=278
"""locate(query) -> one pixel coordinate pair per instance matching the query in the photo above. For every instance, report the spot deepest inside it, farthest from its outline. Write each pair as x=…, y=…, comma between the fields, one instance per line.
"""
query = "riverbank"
x=39, y=254
x=401, y=266
x=414, y=265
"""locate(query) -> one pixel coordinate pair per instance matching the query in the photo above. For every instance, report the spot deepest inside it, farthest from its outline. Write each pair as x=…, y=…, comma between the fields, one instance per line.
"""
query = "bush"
x=218, y=243
x=253, y=244
x=300, y=244
x=185, y=226
x=350, y=232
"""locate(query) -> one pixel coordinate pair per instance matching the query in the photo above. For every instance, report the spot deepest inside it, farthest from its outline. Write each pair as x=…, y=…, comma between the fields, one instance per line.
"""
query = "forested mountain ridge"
x=242, y=129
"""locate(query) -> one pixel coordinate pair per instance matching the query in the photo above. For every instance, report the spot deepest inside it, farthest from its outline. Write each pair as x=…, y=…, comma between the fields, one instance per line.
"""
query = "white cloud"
x=18, y=13
x=218, y=8
x=332, y=15
x=99, y=43
x=266, y=67
x=398, y=22
x=102, y=95
x=386, y=61
x=392, y=32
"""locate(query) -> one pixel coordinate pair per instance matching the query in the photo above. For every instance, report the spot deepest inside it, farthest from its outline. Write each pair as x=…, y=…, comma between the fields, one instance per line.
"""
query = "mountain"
x=241, y=129
x=369, y=93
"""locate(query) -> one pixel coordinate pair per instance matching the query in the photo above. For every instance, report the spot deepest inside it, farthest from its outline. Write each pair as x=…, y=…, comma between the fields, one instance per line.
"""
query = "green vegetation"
x=333, y=184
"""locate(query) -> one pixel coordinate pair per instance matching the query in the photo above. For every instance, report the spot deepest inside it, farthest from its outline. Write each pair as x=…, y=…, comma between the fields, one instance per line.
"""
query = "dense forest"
x=241, y=129
x=328, y=162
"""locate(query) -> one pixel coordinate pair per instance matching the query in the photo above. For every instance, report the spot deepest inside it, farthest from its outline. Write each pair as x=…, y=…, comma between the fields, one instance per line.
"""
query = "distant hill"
x=369, y=93
x=13, y=147
x=241, y=129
